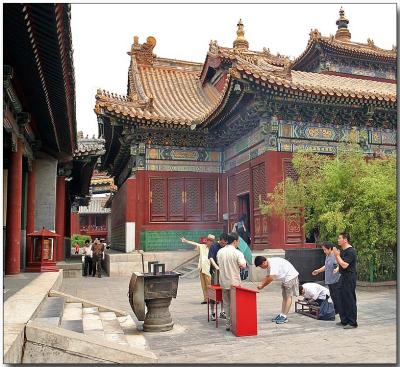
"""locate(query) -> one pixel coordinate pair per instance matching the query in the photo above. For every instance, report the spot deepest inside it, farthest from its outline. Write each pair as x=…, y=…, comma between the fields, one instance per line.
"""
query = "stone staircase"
x=189, y=268
x=82, y=324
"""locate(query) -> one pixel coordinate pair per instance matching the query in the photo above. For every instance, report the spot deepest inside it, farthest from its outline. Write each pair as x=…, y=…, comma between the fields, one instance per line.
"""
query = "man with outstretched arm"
x=283, y=270
x=204, y=263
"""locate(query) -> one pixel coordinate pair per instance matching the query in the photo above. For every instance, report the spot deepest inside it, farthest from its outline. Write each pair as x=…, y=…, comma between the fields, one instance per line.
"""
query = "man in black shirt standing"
x=214, y=269
x=347, y=260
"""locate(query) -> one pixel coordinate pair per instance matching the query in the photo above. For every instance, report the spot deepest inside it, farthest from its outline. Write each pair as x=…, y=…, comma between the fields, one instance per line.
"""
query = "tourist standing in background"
x=214, y=269
x=332, y=275
x=87, y=253
x=347, y=260
x=230, y=260
x=97, y=249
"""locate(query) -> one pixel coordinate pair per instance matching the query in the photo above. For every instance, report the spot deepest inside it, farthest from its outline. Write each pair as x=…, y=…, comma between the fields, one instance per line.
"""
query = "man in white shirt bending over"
x=283, y=270
x=314, y=292
x=230, y=260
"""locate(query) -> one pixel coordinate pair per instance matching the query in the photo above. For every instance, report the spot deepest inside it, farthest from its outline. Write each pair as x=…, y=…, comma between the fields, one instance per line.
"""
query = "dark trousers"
x=335, y=295
x=97, y=264
x=87, y=266
x=348, y=299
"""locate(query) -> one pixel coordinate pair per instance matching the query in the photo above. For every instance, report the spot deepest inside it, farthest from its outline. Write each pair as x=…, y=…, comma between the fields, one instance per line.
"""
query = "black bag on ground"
x=326, y=311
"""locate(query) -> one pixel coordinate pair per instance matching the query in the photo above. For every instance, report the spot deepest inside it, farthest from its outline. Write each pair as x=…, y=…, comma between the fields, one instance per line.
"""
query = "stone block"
x=73, y=325
x=112, y=327
x=13, y=342
x=108, y=316
x=37, y=353
x=86, y=303
x=87, y=310
x=73, y=305
x=91, y=316
x=89, y=324
x=72, y=314
x=48, y=320
x=116, y=338
x=81, y=345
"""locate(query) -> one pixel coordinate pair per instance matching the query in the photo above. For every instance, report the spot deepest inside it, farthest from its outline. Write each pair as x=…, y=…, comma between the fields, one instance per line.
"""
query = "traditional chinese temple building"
x=192, y=146
x=41, y=177
x=93, y=218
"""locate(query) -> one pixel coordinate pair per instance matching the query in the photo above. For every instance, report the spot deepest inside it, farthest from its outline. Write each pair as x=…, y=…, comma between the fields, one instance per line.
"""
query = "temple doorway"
x=244, y=208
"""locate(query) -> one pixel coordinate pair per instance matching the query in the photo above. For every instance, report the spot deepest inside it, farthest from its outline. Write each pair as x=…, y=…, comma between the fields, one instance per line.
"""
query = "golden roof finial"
x=342, y=33
x=240, y=41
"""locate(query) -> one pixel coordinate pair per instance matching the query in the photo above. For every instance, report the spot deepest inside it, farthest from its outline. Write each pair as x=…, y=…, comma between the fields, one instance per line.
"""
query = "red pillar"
x=140, y=204
x=14, y=207
x=30, y=211
x=60, y=217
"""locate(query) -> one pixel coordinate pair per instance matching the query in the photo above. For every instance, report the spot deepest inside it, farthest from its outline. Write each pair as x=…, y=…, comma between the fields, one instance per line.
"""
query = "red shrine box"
x=243, y=311
x=40, y=251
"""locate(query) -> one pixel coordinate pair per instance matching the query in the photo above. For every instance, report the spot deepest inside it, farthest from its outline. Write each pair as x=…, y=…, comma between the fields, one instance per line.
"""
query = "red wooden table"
x=214, y=293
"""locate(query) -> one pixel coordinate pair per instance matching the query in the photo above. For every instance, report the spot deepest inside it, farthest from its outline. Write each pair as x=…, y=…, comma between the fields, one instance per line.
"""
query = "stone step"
x=105, y=325
x=72, y=317
x=134, y=337
x=51, y=311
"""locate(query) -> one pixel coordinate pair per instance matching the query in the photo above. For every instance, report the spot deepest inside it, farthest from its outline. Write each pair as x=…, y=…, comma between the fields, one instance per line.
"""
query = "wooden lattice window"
x=259, y=184
x=176, y=199
x=158, y=204
x=210, y=200
x=243, y=182
x=289, y=170
x=192, y=199
x=232, y=194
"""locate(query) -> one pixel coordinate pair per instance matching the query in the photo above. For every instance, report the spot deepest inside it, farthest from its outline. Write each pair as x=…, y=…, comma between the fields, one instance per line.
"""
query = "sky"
x=102, y=34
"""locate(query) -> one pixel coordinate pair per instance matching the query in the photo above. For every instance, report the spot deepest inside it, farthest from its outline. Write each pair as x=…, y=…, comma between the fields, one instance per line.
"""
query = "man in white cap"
x=204, y=263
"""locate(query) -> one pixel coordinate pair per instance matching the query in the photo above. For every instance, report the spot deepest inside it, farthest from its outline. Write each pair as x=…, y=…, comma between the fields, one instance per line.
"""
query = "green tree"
x=80, y=239
x=345, y=192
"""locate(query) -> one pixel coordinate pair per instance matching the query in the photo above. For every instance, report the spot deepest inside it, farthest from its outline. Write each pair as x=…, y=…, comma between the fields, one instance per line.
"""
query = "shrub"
x=80, y=239
x=346, y=192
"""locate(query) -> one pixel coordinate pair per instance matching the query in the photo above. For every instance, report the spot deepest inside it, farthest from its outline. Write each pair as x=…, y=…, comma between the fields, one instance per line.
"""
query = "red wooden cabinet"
x=243, y=311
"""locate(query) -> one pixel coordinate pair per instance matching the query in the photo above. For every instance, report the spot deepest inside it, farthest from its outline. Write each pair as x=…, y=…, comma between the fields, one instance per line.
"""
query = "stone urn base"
x=158, y=317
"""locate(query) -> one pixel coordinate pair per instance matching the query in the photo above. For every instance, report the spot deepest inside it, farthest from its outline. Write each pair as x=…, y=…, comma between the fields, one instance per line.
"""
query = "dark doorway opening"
x=244, y=208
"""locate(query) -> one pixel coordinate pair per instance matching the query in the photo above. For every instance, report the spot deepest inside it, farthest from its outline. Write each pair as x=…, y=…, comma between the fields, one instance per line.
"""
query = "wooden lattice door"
x=294, y=233
x=158, y=202
x=260, y=235
x=192, y=200
x=232, y=202
x=176, y=200
x=210, y=200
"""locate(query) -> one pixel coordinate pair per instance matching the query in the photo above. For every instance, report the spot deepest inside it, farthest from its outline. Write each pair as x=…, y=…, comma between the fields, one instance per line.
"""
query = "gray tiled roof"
x=96, y=206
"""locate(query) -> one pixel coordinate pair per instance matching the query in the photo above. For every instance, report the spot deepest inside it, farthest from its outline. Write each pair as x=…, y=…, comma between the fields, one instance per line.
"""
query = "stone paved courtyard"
x=301, y=340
